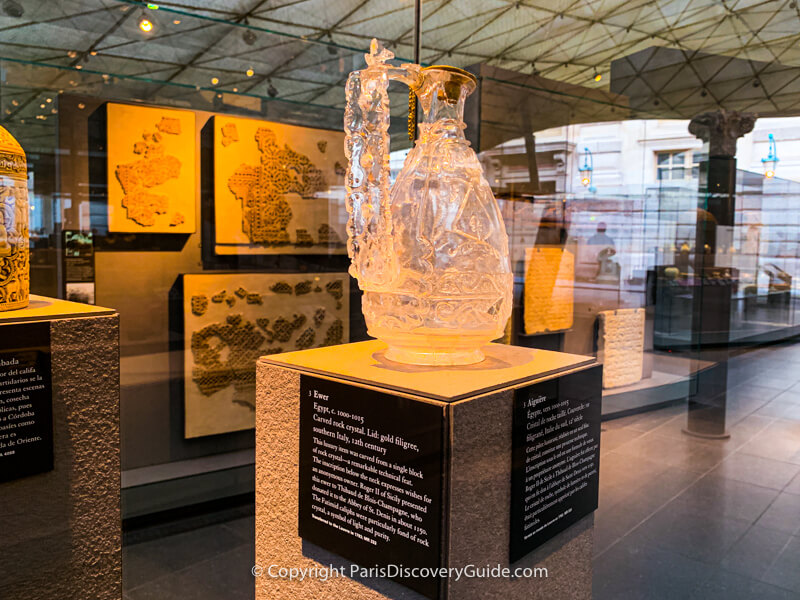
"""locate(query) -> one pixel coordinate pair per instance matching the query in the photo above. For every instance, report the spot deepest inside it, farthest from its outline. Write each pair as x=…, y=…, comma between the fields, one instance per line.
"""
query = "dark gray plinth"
x=477, y=519
x=61, y=530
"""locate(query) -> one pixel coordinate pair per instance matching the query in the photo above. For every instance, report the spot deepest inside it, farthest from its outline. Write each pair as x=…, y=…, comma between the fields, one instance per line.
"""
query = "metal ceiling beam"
x=286, y=65
x=410, y=30
x=239, y=19
x=114, y=26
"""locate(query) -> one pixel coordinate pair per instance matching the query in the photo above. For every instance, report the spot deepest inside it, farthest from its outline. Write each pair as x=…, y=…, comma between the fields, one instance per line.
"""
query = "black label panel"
x=26, y=400
x=371, y=478
x=556, y=457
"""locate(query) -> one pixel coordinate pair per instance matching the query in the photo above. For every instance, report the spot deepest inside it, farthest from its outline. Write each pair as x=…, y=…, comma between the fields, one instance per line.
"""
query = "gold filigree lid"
x=452, y=69
x=453, y=83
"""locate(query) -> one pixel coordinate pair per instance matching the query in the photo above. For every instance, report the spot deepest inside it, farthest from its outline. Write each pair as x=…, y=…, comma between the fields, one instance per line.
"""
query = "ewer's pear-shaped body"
x=14, y=235
x=431, y=254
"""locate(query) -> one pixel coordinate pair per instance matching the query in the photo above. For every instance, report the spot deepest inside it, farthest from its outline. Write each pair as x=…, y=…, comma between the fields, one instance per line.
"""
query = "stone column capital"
x=721, y=129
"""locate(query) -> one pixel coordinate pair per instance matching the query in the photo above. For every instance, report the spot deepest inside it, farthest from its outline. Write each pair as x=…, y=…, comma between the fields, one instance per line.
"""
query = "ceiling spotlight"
x=597, y=76
x=332, y=50
x=146, y=25
x=176, y=22
x=249, y=72
x=49, y=100
x=81, y=105
x=249, y=37
x=79, y=67
x=236, y=89
x=41, y=106
x=272, y=91
x=72, y=54
x=214, y=80
x=13, y=9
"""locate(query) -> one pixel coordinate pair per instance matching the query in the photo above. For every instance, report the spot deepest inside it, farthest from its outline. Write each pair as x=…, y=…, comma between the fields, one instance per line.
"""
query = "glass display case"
x=186, y=166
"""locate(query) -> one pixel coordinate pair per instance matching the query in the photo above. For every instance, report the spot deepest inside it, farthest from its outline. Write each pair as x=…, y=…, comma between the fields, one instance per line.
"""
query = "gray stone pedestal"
x=477, y=401
x=61, y=529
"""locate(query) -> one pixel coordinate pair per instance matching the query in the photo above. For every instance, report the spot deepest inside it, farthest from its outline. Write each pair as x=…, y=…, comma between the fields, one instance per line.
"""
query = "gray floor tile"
x=774, y=379
x=791, y=412
x=783, y=514
x=794, y=486
x=152, y=560
x=672, y=427
x=755, y=552
x=780, y=440
x=611, y=439
x=785, y=571
x=750, y=396
x=727, y=498
x=245, y=528
x=667, y=485
x=792, y=396
x=706, y=538
x=226, y=576
x=647, y=421
x=231, y=573
x=604, y=538
x=615, y=521
x=627, y=470
x=775, y=409
x=757, y=470
x=611, y=495
x=746, y=429
x=625, y=516
x=633, y=571
x=727, y=586
x=688, y=453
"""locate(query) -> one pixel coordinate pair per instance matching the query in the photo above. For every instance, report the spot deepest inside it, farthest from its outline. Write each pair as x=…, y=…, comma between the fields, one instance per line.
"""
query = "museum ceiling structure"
x=299, y=52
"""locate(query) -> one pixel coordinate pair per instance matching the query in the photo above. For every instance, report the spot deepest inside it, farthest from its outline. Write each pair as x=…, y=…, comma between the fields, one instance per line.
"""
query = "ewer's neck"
x=442, y=93
x=441, y=129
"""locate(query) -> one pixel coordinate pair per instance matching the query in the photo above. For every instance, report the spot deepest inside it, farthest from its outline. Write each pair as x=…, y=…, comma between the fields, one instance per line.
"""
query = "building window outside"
x=678, y=164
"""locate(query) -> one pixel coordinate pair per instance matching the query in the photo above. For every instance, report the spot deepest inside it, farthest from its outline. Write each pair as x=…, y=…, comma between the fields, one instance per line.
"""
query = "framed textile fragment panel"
x=232, y=319
x=151, y=166
x=549, y=285
x=278, y=189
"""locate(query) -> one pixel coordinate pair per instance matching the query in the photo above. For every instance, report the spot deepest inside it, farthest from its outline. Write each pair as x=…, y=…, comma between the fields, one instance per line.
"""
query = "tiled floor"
x=682, y=517
x=679, y=517
x=199, y=558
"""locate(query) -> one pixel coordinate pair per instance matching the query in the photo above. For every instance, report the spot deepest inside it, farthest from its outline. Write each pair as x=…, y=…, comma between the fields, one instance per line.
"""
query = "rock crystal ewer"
x=430, y=252
x=14, y=235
